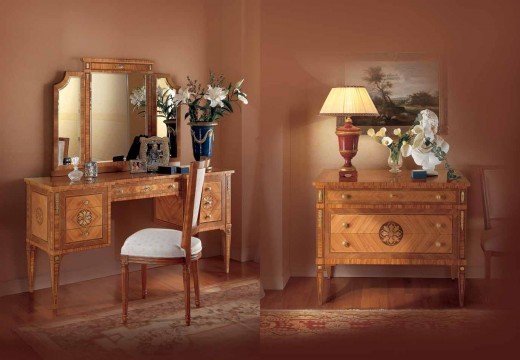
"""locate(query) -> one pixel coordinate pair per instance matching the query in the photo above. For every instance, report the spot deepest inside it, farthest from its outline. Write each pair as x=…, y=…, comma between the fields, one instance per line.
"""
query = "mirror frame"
x=105, y=65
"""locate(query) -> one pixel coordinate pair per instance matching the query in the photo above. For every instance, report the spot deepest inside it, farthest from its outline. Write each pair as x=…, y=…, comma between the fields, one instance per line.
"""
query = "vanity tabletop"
x=104, y=179
x=370, y=179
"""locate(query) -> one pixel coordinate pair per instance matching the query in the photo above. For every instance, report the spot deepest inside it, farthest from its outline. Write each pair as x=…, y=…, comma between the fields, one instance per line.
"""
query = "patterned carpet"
x=226, y=321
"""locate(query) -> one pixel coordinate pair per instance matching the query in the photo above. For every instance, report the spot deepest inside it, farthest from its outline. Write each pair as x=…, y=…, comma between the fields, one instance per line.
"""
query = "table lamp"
x=348, y=101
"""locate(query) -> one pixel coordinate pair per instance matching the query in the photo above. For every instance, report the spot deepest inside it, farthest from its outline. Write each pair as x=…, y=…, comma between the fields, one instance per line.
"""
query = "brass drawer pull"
x=345, y=225
x=346, y=243
x=86, y=202
x=440, y=197
x=172, y=186
x=393, y=196
x=439, y=225
x=208, y=188
x=85, y=233
x=147, y=188
x=208, y=217
x=119, y=191
x=120, y=66
x=346, y=196
x=438, y=244
x=208, y=202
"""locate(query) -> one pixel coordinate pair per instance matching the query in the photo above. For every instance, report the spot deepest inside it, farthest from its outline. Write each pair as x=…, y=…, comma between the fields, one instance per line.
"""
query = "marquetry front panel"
x=39, y=215
x=211, y=202
x=140, y=190
x=391, y=196
x=84, y=217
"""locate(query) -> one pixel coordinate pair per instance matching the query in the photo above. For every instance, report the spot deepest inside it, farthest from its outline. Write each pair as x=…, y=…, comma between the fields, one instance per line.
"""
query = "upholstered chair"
x=493, y=240
x=168, y=246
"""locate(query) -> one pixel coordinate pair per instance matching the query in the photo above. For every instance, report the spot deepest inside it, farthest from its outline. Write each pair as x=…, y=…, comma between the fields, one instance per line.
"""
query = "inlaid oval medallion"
x=84, y=217
x=391, y=233
x=39, y=215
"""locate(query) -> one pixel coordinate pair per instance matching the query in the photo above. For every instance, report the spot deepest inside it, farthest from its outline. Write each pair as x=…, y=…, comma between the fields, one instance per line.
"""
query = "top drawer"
x=389, y=196
x=145, y=190
x=82, y=201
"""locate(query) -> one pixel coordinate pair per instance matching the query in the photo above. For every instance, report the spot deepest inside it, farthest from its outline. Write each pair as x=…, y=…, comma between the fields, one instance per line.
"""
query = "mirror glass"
x=118, y=113
x=166, y=114
x=69, y=120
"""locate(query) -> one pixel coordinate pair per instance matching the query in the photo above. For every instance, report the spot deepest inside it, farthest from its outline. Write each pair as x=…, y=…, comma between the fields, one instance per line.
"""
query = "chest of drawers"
x=390, y=219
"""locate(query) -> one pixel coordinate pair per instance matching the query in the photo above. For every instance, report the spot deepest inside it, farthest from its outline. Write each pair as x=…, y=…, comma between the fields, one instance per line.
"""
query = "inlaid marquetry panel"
x=39, y=220
x=211, y=203
x=83, y=234
x=84, y=217
x=388, y=196
x=410, y=243
x=76, y=202
x=372, y=223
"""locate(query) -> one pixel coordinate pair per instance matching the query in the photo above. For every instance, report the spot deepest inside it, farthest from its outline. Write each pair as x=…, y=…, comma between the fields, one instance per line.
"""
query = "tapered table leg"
x=227, y=246
x=31, y=254
x=462, y=285
x=319, y=283
x=55, y=261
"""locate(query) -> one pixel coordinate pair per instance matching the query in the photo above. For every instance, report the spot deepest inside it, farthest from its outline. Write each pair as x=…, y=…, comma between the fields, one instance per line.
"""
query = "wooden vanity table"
x=96, y=119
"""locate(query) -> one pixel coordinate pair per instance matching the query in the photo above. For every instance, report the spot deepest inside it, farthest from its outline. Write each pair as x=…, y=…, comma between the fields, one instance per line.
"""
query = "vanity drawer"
x=391, y=196
x=83, y=234
x=211, y=202
x=82, y=201
x=388, y=233
x=144, y=190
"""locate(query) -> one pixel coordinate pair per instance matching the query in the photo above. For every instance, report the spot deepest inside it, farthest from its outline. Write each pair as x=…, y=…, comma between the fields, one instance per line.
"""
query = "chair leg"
x=186, y=278
x=487, y=256
x=124, y=288
x=144, y=291
x=195, y=274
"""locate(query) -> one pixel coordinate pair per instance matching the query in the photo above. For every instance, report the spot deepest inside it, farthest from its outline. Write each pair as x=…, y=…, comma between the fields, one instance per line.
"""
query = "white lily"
x=242, y=97
x=381, y=132
x=138, y=97
x=215, y=95
x=183, y=96
x=406, y=149
x=371, y=132
x=386, y=141
x=397, y=132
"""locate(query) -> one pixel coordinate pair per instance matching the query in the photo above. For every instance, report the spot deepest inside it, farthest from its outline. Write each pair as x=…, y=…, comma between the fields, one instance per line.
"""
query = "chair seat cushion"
x=158, y=243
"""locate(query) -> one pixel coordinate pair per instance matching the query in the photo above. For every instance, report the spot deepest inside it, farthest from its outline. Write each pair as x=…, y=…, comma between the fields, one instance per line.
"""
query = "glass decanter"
x=75, y=175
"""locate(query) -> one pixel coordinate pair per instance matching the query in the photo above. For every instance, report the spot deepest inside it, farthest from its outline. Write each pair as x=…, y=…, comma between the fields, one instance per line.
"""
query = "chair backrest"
x=192, y=203
x=494, y=194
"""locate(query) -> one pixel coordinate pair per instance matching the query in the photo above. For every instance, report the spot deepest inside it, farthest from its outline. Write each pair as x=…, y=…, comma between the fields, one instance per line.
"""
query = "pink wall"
x=304, y=45
x=38, y=41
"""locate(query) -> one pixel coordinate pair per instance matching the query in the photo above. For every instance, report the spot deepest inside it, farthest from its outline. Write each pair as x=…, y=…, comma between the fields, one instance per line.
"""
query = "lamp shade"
x=347, y=101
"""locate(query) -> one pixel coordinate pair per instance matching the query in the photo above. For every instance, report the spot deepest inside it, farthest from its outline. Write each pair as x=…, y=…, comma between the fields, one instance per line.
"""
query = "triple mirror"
x=101, y=112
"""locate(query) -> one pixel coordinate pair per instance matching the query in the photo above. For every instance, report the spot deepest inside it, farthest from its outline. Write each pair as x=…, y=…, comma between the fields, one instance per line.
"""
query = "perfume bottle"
x=75, y=175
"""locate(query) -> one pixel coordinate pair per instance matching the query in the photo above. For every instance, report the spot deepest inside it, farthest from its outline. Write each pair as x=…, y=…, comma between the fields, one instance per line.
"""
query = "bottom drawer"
x=372, y=243
x=84, y=234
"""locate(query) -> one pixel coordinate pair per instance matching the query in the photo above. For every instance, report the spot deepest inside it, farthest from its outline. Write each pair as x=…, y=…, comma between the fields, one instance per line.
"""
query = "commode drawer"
x=211, y=202
x=391, y=233
x=391, y=196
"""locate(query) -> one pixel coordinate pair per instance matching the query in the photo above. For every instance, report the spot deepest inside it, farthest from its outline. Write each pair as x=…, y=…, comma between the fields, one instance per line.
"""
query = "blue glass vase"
x=202, y=137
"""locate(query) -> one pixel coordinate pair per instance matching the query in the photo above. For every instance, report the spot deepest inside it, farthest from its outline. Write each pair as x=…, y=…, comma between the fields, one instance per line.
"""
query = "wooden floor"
x=104, y=293
x=377, y=293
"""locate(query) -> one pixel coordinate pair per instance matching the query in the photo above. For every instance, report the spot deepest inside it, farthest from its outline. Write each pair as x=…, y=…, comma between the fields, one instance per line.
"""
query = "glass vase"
x=395, y=161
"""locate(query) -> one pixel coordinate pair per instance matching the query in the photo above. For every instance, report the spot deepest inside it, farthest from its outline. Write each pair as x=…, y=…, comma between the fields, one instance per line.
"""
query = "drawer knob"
x=207, y=217
x=346, y=196
x=439, y=225
x=346, y=243
x=438, y=244
x=172, y=186
x=119, y=191
x=86, y=202
x=393, y=196
x=439, y=197
x=120, y=66
x=345, y=225
x=208, y=188
x=147, y=188
x=208, y=202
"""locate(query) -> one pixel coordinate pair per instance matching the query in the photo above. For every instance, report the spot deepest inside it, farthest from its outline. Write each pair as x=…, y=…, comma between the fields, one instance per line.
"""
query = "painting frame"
x=161, y=157
x=352, y=65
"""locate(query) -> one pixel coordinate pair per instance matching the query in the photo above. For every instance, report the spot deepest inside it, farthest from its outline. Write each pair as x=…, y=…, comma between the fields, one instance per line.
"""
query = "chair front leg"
x=124, y=287
x=144, y=291
x=195, y=272
x=186, y=278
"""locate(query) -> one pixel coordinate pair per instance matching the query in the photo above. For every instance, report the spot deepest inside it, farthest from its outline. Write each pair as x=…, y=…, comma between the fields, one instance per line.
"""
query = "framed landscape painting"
x=400, y=85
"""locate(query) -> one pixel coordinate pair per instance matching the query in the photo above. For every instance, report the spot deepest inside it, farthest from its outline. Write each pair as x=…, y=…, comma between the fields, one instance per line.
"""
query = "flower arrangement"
x=420, y=141
x=165, y=102
x=211, y=103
